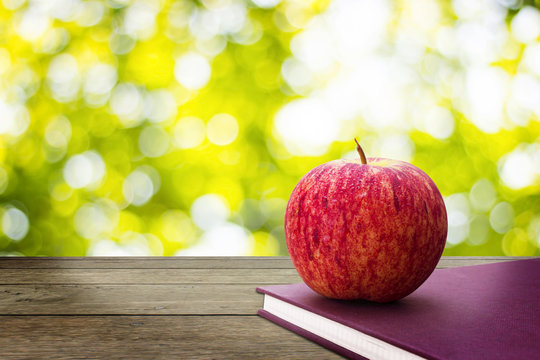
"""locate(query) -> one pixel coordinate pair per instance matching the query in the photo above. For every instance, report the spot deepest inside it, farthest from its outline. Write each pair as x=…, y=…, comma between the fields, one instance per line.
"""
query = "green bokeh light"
x=153, y=127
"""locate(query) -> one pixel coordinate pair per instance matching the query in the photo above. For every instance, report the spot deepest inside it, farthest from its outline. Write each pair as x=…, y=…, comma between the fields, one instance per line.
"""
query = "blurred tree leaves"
x=93, y=92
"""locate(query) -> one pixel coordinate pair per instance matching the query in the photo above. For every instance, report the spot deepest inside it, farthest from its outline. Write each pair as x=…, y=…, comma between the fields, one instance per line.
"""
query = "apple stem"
x=360, y=152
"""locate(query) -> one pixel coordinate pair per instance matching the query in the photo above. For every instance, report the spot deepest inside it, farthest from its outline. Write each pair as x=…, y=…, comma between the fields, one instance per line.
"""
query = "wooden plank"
x=154, y=299
x=456, y=261
x=156, y=276
x=180, y=290
x=155, y=337
x=148, y=276
x=238, y=262
x=200, y=299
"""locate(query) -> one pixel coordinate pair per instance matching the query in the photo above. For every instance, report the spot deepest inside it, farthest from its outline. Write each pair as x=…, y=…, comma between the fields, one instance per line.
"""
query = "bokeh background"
x=153, y=127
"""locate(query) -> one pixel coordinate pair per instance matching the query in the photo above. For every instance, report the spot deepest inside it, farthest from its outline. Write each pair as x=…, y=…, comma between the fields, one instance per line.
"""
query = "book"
x=489, y=311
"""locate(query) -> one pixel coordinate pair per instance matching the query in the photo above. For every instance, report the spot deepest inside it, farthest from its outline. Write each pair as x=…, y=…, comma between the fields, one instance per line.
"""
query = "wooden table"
x=170, y=308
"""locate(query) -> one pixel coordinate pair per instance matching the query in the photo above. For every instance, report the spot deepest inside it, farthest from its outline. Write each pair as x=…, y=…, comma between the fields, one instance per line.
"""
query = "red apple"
x=370, y=229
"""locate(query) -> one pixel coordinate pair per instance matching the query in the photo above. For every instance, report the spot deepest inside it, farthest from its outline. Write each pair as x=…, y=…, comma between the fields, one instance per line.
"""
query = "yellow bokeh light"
x=164, y=127
x=222, y=129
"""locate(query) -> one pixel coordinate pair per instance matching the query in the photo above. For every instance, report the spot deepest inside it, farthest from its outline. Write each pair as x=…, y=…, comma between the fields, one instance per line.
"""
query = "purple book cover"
x=489, y=311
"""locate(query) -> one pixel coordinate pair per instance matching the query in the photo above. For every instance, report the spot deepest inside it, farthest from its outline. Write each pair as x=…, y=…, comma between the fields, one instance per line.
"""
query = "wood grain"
x=174, y=299
x=278, y=262
x=233, y=262
x=148, y=276
x=152, y=337
x=150, y=307
x=149, y=291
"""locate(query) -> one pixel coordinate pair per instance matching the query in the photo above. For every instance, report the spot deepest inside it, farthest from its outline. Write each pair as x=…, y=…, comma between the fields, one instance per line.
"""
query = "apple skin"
x=372, y=231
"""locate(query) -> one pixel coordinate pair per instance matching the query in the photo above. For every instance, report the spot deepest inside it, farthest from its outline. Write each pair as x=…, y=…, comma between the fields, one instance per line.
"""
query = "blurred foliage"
x=153, y=127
